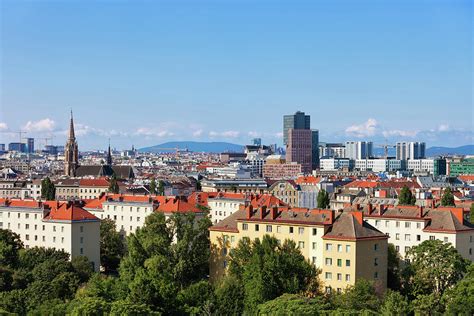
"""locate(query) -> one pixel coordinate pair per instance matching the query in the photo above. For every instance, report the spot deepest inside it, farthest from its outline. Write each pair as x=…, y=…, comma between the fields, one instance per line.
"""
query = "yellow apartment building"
x=344, y=247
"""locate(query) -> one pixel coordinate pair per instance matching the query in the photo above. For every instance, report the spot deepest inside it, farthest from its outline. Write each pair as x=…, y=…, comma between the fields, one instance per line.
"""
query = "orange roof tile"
x=101, y=182
x=308, y=180
x=69, y=212
x=177, y=206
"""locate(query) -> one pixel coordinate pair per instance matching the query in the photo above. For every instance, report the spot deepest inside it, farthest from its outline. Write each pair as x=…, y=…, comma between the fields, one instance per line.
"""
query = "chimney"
x=263, y=211
x=420, y=212
x=370, y=208
x=331, y=216
x=358, y=216
x=249, y=211
x=274, y=212
x=381, y=209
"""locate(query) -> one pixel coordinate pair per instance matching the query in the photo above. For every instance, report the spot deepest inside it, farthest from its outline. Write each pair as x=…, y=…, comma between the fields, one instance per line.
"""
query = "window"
x=301, y=244
x=224, y=263
x=407, y=237
x=407, y=249
x=339, y=276
x=348, y=248
x=27, y=226
x=376, y=275
x=81, y=229
x=328, y=247
x=348, y=263
x=27, y=237
x=397, y=224
x=386, y=223
x=397, y=248
x=82, y=251
x=376, y=262
x=348, y=277
x=432, y=237
x=82, y=240
x=315, y=231
x=339, y=290
x=54, y=228
x=245, y=226
x=445, y=239
x=418, y=237
x=54, y=239
x=339, y=248
x=418, y=225
x=291, y=229
x=301, y=230
x=62, y=240
x=224, y=251
x=377, y=223
x=43, y=238
x=278, y=229
x=328, y=276
x=339, y=262
x=36, y=226
x=256, y=227
x=27, y=215
x=269, y=228
x=314, y=246
x=328, y=290
x=138, y=219
x=407, y=224
x=376, y=247
x=328, y=261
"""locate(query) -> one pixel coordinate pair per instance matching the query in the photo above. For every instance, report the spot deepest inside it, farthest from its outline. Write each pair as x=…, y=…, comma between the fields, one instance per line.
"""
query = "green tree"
x=359, y=297
x=294, y=304
x=406, y=197
x=82, y=267
x=113, y=185
x=125, y=308
x=459, y=300
x=395, y=304
x=471, y=213
x=48, y=190
x=161, y=187
x=448, y=198
x=197, y=299
x=446, y=268
x=229, y=296
x=153, y=188
x=111, y=246
x=10, y=245
x=393, y=268
x=323, y=199
x=270, y=269
x=89, y=306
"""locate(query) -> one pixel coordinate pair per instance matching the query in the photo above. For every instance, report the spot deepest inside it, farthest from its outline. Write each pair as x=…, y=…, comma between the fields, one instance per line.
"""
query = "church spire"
x=109, y=156
x=71, y=128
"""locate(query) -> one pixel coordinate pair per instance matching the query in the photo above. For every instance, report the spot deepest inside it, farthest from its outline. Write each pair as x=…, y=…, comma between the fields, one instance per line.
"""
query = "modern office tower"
x=410, y=150
x=20, y=147
x=2, y=147
x=332, y=150
x=299, y=148
x=359, y=150
x=315, y=148
x=295, y=121
x=30, y=145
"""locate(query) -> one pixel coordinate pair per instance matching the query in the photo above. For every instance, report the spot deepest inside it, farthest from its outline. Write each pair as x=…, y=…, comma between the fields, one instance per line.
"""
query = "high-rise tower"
x=71, y=160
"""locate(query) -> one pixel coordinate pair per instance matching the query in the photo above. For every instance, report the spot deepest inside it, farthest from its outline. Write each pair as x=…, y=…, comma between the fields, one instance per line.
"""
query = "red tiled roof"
x=69, y=212
x=311, y=180
x=177, y=206
x=467, y=177
x=361, y=184
x=101, y=182
x=22, y=203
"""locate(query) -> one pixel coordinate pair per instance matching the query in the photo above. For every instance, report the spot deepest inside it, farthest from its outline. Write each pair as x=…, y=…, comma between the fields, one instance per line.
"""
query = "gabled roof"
x=266, y=199
x=100, y=182
x=177, y=206
x=348, y=226
x=447, y=221
x=69, y=212
x=308, y=180
x=20, y=203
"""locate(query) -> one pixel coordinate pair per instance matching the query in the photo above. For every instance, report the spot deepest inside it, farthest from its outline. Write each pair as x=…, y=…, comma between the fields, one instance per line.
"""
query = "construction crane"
x=385, y=148
x=46, y=140
x=20, y=133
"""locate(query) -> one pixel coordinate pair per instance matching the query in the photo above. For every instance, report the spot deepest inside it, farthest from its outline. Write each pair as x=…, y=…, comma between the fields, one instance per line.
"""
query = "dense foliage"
x=406, y=197
x=323, y=199
x=48, y=191
x=448, y=198
x=164, y=271
x=113, y=185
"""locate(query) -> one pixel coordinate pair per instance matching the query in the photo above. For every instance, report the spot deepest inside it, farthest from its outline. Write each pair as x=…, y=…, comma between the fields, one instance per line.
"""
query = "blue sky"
x=145, y=72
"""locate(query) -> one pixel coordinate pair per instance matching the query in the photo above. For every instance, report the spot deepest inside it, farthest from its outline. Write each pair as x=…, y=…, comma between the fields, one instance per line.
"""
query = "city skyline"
x=221, y=72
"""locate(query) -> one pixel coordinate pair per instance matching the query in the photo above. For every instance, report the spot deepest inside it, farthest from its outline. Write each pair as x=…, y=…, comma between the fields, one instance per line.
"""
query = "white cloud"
x=443, y=128
x=44, y=125
x=3, y=126
x=401, y=133
x=368, y=128
x=253, y=134
x=198, y=133
x=231, y=134
x=153, y=132
x=279, y=135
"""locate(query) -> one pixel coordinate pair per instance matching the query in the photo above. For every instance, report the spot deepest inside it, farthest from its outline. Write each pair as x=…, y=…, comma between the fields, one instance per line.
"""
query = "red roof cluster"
x=68, y=212
x=100, y=182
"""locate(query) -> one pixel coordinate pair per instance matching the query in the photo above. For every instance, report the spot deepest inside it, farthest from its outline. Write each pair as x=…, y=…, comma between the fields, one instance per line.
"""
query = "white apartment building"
x=92, y=188
x=224, y=205
x=410, y=150
x=358, y=150
x=408, y=226
x=35, y=189
x=378, y=165
x=332, y=164
x=63, y=226
x=421, y=165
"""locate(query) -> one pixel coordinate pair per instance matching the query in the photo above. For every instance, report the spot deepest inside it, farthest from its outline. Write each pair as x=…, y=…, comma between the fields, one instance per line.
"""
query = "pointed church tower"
x=71, y=152
x=109, y=156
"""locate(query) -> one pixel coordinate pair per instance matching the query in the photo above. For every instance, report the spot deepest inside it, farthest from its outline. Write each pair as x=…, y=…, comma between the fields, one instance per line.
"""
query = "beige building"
x=92, y=188
x=67, y=189
x=287, y=191
x=345, y=247
x=63, y=226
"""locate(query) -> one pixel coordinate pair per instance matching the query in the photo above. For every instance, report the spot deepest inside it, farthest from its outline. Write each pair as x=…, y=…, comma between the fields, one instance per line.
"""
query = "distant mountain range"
x=208, y=147
x=218, y=147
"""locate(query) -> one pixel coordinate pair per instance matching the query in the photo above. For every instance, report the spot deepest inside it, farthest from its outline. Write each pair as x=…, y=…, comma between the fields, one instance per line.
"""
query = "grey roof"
x=346, y=226
x=121, y=172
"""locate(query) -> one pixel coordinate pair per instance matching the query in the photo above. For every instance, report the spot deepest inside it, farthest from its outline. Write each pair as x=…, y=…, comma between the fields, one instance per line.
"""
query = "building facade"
x=299, y=120
x=359, y=150
x=299, y=148
x=410, y=150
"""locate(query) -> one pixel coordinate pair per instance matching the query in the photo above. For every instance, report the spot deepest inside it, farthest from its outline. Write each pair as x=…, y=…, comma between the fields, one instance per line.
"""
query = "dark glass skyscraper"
x=295, y=121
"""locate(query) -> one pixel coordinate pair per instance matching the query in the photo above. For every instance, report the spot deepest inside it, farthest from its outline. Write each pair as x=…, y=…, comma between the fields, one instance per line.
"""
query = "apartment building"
x=64, y=226
x=408, y=226
x=66, y=189
x=92, y=188
x=224, y=204
x=255, y=186
x=345, y=247
x=287, y=191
